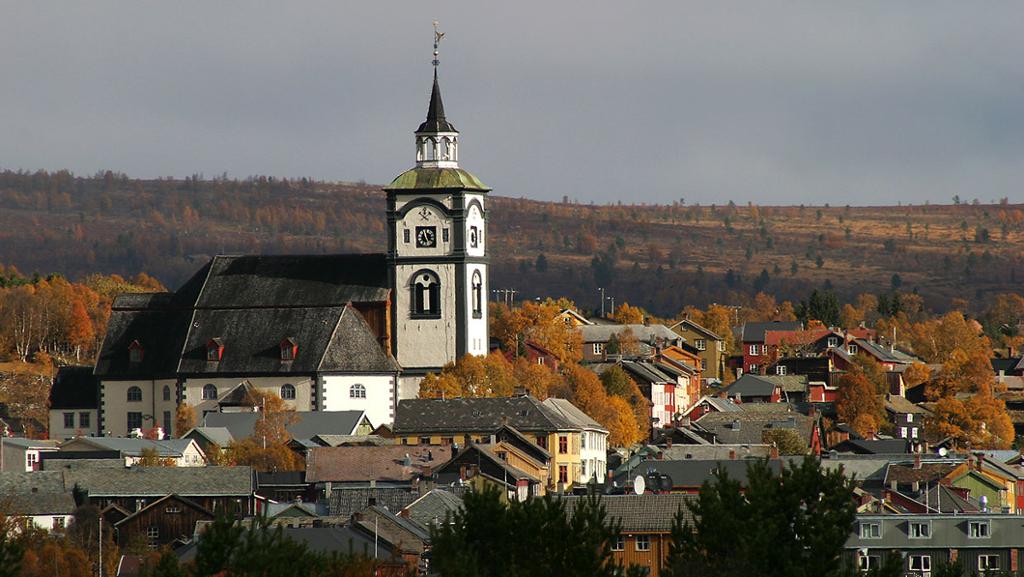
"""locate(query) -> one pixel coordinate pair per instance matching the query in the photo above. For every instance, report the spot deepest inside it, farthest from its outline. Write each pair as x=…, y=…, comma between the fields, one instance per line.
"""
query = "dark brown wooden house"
x=161, y=522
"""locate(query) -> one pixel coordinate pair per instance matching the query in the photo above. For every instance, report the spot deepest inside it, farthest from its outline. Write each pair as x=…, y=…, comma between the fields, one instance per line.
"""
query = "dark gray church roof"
x=159, y=331
x=301, y=425
x=436, y=122
x=294, y=281
x=75, y=388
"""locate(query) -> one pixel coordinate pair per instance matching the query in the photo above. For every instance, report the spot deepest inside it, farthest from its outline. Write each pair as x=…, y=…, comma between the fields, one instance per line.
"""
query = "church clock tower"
x=437, y=253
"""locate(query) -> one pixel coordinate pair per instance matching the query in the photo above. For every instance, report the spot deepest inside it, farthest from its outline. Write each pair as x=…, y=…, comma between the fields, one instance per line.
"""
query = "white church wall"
x=379, y=402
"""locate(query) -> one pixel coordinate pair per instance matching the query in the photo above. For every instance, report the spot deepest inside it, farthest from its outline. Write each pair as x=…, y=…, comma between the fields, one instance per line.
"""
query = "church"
x=324, y=332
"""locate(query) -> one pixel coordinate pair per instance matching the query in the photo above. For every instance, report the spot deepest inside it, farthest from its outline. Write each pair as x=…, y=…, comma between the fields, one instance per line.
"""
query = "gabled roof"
x=160, y=481
x=697, y=329
x=75, y=388
x=572, y=413
x=219, y=436
x=163, y=502
x=466, y=415
x=582, y=319
x=343, y=540
x=432, y=508
x=294, y=281
x=300, y=424
x=35, y=493
x=128, y=446
x=898, y=404
x=646, y=334
x=750, y=385
x=647, y=513
x=755, y=332
x=385, y=463
x=874, y=447
x=883, y=354
x=646, y=372
x=719, y=404
x=159, y=328
x=752, y=424
x=797, y=337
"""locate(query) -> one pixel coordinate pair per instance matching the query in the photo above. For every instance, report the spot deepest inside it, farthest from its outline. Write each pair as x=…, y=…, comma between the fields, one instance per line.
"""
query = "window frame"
x=84, y=419
x=134, y=391
x=701, y=344
x=598, y=348
x=865, y=563
x=167, y=393
x=982, y=525
x=921, y=566
x=619, y=543
x=781, y=370
x=69, y=417
x=427, y=292
x=877, y=525
x=642, y=542
x=927, y=534
x=753, y=351
x=205, y=393
x=563, y=474
x=563, y=444
x=357, y=391
x=476, y=289
x=130, y=418
x=987, y=567
x=288, y=392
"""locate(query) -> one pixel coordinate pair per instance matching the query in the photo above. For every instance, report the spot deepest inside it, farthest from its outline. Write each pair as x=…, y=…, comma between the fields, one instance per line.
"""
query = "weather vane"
x=437, y=40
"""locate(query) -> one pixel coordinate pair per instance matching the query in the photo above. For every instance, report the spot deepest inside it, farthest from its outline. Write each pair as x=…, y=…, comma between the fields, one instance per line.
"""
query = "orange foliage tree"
x=628, y=315
x=979, y=422
x=471, y=376
x=267, y=449
x=537, y=322
x=613, y=412
x=858, y=403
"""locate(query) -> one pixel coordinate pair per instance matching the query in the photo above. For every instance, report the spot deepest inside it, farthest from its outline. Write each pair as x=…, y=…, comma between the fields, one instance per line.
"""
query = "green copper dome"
x=436, y=178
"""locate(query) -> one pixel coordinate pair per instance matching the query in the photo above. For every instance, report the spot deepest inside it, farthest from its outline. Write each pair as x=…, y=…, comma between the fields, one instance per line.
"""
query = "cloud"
x=795, y=102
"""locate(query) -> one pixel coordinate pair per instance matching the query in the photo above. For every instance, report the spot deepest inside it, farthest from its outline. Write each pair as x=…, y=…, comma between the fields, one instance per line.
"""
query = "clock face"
x=473, y=238
x=426, y=237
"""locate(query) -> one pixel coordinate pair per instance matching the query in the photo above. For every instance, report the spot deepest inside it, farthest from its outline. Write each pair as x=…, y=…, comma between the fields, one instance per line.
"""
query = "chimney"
x=774, y=452
x=917, y=461
x=915, y=486
x=462, y=472
x=660, y=456
x=732, y=454
x=404, y=513
x=609, y=475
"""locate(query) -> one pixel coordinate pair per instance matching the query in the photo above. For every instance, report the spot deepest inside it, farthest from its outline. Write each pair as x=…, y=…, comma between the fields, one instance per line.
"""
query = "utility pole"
x=99, y=540
x=512, y=293
x=601, y=290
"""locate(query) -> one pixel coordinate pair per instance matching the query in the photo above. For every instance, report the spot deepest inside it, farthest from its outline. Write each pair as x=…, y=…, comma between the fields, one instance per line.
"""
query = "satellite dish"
x=639, y=485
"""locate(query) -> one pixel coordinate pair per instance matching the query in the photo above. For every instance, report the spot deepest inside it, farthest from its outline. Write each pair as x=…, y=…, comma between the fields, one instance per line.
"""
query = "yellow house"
x=458, y=422
x=985, y=477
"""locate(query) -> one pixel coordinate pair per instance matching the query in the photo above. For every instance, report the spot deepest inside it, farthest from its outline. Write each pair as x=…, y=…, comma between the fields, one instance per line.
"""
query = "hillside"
x=658, y=257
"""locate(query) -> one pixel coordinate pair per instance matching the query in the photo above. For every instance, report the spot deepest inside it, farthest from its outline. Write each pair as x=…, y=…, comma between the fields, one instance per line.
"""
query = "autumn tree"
x=471, y=376
x=979, y=422
x=858, y=403
x=540, y=323
x=613, y=412
x=267, y=448
x=184, y=419
x=625, y=314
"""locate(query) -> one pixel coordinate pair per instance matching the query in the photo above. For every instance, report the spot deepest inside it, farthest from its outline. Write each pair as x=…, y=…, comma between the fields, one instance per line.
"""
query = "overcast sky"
x=852, y=102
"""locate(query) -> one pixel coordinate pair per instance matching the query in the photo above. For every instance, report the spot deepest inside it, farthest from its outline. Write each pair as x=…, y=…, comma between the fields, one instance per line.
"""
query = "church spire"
x=437, y=141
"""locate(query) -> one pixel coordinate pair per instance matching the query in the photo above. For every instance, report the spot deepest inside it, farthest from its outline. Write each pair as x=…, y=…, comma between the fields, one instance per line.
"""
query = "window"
x=474, y=237
x=31, y=459
x=913, y=432
x=752, y=369
x=753, y=350
x=477, y=290
x=703, y=364
x=405, y=235
x=764, y=349
x=502, y=455
x=920, y=563
x=424, y=440
x=540, y=360
x=288, y=392
x=134, y=395
x=833, y=342
x=701, y=344
x=910, y=417
x=643, y=542
x=542, y=442
x=167, y=423
x=134, y=420
x=209, y=392
x=135, y=353
x=58, y=523
x=563, y=444
x=167, y=393
x=868, y=562
x=357, y=391
x=447, y=440
x=172, y=509
x=978, y=530
x=583, y=440
x=780, y=370
x=152, y=534
x=563, y=474
x=84, y=419
x=619, y=543
x=920, y=530
x=444, y=234
x=851, y=349
x=289, y=348
x=69, y=420
x=870, y=530
x=598, y=348
x=988, y=562
x=426, y=295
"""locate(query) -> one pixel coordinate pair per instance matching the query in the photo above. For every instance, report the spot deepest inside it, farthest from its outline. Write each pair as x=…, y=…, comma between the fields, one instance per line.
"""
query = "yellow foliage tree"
x=539, y=323
x=471, y=376
x=628, y=315
x=979, y=422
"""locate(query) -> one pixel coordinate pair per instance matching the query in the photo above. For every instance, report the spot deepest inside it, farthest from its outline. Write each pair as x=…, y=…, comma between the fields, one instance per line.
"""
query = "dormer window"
x=833, y=342
x=214, y=350
x=851, y=349
x=289, y=348
x=135, y=353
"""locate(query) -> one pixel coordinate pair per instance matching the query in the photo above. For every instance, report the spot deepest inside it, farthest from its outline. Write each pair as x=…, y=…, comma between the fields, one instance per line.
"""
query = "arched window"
x=426, y=295
x=357, y=391
x=167, y=393
x=288, y=392
x=209, y=392
x=477, y=295
x=134, y=394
